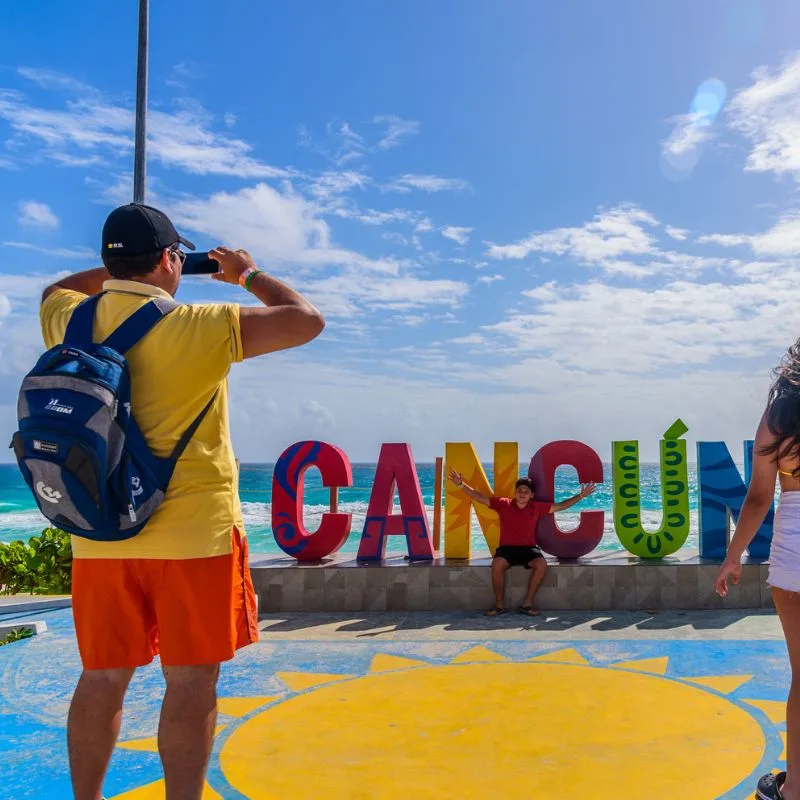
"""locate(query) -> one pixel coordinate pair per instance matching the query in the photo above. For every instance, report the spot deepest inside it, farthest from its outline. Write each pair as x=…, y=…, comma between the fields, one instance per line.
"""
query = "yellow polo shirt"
x=175, y=370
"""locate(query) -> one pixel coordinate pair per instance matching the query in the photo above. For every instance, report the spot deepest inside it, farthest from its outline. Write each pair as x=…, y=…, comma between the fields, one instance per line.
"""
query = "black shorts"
x=518, y=556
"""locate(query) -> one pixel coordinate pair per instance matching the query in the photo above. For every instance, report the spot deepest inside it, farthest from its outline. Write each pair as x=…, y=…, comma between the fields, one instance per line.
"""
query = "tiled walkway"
x=440, y=706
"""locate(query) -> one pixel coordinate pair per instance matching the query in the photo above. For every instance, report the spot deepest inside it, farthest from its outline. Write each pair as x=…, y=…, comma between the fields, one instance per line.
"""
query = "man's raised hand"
x=455, y=477
x=232, y=263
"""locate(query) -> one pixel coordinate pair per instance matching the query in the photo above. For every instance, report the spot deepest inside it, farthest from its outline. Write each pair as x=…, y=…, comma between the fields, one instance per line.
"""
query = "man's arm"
x=287, y=320
x=88, y=282
x=476, y=496
x=586, y=490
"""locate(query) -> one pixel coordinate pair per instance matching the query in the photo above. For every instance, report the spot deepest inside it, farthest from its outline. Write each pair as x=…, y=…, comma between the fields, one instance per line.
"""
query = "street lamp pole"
x=140, y=141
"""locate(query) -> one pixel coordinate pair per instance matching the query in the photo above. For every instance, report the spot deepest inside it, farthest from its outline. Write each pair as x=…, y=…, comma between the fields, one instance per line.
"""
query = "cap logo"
x=115, y=245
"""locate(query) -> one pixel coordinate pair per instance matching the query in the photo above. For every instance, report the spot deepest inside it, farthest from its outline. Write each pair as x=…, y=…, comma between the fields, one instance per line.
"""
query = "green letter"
x=674, y=530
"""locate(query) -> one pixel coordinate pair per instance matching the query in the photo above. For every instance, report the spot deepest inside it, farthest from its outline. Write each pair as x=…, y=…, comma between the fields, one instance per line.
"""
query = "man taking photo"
x=181, y=587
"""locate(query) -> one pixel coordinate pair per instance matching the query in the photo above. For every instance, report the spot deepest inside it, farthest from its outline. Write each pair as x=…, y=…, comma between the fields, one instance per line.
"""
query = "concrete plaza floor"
x=390, y=706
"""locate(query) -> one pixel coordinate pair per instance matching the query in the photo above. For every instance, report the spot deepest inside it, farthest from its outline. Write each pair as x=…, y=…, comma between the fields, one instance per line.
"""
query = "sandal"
x=769, y=786
x=529, y=611
x=497, y=611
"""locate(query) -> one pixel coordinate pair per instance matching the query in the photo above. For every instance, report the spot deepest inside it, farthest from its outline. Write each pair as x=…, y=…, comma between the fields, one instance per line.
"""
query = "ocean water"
x=20, y=518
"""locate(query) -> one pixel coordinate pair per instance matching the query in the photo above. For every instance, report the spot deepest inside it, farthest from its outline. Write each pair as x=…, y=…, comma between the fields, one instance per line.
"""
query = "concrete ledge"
x=612, y=581
x=22, y=603
x=33, y=627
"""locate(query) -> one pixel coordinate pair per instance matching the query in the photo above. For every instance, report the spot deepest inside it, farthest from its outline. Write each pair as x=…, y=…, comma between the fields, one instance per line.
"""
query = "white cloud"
x=456, y=234
x=488, y=279
x=724, y=239
x=375, y=218
x=56, y=252
x=617, y=232
x=351, y=294
x=317, y=415
x=768, y=114
x=597, y=327
x=50, y=79
x=284, y=230
x=426, y=183
x=229, y=119
x=676, y=233
x=690, y=131
x=182, y=73
x=783, y=239
x=395, y=238
x=330, y=184
x=396, y=130
x=348, y=145
x=90, y=129
x=37, y=215
x=473, y=338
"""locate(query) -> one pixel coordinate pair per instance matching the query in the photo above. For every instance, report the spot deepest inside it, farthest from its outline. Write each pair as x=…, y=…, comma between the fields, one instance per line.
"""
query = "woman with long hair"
x=777, y=453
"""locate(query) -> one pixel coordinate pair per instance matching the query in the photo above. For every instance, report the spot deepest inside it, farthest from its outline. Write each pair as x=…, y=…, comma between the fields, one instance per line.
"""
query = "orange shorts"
x=193, y=611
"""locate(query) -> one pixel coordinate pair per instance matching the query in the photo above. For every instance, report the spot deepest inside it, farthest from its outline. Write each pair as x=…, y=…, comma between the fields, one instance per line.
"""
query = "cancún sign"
x=721, y=491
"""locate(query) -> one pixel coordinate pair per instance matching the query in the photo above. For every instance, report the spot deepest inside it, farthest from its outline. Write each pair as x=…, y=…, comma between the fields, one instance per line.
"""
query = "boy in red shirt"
x=518, y=518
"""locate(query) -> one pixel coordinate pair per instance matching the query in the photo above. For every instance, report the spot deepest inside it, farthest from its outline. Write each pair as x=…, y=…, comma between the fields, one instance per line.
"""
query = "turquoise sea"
x=19, y=517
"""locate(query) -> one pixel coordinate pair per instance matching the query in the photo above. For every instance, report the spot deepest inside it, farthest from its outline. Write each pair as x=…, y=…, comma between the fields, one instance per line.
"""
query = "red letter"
x=287, y=500
x=395, y=467
x=542, y=472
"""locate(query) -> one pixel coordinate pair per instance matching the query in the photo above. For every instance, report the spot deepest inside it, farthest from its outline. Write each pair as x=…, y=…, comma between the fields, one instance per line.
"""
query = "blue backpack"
x=78, y=445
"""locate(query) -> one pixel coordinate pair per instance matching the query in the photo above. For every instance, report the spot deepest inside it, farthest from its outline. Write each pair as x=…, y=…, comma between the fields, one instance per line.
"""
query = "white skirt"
x=784, y=554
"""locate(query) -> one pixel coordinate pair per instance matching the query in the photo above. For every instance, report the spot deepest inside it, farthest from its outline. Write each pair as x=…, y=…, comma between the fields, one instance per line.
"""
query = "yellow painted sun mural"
x=483, y=725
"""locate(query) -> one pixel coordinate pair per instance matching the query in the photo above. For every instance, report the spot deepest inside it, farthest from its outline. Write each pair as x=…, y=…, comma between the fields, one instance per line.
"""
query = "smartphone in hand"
x=199, y=264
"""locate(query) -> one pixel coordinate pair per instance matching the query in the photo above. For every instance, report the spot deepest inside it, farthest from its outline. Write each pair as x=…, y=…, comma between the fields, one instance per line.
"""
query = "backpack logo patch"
x=59, y=408
x=47, y=493
x=45, y=447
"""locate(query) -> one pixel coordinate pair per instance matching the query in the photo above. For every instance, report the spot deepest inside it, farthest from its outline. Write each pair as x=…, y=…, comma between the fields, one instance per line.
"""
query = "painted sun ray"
x=783, y=739
x=724, y=684
x=156, y=791
x=567, y=655
x=478, y=653
x=384, y=662
x=298, y=681
x=241, y=706
x=149, y=744
x=658, y=666
x=774, y=709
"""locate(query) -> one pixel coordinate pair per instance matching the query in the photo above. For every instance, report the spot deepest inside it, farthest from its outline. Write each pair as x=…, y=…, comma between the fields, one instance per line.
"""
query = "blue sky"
x=522, y=220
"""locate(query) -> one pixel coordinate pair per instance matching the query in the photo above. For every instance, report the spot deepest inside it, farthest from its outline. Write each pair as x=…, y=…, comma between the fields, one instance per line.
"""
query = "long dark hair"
x=783, y=409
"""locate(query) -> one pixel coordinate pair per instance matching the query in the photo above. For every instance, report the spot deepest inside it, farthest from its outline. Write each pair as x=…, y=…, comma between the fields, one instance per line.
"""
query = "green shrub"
x=42, y=566
x=16, y=636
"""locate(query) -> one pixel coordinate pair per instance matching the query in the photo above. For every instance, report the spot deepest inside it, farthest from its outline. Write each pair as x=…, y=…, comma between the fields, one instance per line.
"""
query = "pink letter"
x=542, y=472
x=287, y=500
x=395, y=468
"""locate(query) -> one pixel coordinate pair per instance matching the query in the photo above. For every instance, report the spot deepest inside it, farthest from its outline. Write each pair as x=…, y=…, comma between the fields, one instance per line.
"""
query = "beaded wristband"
x=247, y=276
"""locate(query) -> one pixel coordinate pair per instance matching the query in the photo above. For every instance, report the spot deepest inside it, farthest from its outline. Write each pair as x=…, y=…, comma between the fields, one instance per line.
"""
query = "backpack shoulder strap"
x=80, y=328
x=186, y=436
x=139, y=323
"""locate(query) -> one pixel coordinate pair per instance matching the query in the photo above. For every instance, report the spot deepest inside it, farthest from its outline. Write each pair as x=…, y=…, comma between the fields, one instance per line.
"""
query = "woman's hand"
x=456, y=477
x=729, y=569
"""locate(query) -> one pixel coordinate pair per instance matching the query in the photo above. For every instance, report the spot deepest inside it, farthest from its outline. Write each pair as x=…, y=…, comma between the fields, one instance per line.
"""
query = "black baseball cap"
x=136, y=229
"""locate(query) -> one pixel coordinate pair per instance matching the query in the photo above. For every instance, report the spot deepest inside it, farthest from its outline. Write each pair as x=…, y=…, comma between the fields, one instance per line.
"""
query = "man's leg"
x=95, y=715
x=538, y=568
x=499, y=568
x=186, y=729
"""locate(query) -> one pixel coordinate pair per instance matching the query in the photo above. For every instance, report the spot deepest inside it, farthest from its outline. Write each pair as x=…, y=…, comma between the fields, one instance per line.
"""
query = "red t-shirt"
x=518, y=525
